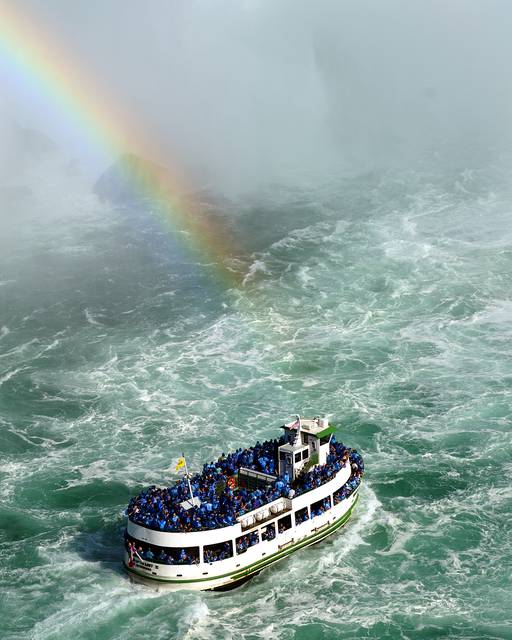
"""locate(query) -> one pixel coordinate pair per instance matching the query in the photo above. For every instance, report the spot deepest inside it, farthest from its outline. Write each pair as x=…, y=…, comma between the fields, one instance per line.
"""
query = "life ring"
x=231, y=483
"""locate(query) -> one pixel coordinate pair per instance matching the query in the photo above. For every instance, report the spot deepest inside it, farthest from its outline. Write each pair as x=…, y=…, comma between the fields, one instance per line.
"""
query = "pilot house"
x=307, y=444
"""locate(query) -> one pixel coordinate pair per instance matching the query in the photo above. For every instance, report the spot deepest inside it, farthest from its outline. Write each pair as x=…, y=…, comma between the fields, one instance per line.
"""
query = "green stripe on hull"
x=260, y=564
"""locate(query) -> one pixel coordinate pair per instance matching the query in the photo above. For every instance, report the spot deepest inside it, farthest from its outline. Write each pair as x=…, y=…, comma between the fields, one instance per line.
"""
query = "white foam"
x=19, y=349
x=91, y=318
x=497, y=313
x=365, y=510
x=9, y=375
x=258, y=266
x=193, y=621
x=303, y=275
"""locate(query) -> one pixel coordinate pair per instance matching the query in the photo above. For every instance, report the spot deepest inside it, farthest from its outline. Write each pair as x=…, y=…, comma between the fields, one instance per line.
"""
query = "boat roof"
x=314, y=427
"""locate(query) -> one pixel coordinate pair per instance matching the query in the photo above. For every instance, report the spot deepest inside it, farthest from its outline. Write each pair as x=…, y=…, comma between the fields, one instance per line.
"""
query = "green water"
x=384, y=300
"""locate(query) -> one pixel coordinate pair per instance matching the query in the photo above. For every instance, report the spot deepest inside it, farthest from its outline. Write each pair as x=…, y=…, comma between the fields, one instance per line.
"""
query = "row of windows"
x=223, y=550
x=300, y=455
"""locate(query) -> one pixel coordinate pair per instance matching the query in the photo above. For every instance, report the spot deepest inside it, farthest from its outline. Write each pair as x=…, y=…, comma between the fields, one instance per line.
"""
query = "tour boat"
x=245, y=511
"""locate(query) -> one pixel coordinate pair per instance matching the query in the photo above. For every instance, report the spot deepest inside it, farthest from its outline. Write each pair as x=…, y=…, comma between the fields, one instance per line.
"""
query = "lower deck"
x=219, y=564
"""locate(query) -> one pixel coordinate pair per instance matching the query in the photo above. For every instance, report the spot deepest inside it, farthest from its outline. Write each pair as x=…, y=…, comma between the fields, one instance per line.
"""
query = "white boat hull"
x=232, y=571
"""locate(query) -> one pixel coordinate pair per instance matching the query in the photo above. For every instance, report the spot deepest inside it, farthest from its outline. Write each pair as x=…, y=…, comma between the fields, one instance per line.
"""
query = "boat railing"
x=263, y=514
x=288, y=543
x=322, y=526
x=252, y=479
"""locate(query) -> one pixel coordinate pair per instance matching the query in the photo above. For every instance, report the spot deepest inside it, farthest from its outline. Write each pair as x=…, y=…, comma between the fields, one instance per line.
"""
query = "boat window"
x=219, y=551
x=321, y=506
x=246, y=541
x=325, y=440
x=305, y=454
x=339, y=495
x=282, y=455
x=297, y=457
x=283, y=524
x=161, y=555
x=301, y=516
x=268, y=532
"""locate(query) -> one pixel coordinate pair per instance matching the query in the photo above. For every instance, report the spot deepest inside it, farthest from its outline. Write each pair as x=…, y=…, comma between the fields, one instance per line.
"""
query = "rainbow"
x=32, y=53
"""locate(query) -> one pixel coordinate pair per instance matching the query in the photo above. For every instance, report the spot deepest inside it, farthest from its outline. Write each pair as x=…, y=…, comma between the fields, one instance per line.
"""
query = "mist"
x=239, y=95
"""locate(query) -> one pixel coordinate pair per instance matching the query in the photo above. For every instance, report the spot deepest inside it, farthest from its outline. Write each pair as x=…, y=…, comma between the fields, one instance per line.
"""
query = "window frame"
x=265, y=529
x=287, y=517
x=171, y=552
x=306, y=509
x=218, y=544
x=314, y=505
x=247, y=535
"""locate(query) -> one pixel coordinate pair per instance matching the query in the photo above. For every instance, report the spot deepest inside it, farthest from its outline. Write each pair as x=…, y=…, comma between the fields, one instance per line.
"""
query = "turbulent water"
x=383, y=300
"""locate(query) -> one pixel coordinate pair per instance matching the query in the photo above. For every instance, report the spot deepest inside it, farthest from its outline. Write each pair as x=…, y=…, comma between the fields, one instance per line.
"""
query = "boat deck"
x=220, y=501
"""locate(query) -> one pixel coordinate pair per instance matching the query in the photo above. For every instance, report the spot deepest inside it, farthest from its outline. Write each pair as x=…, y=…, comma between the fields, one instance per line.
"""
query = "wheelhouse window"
x=161, y=555
x=268, y=532
x=305, y=454
x=246, y=541
x=297, y=457
x=219, y=551
x=301, y=516
x=320, y=507
x=283, y=524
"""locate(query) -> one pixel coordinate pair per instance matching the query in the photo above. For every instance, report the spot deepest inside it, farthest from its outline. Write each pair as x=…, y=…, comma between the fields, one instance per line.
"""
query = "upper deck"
x=236, y=484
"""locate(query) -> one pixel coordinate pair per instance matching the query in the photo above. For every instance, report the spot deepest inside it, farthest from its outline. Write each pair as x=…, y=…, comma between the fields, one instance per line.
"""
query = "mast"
x=187, y=476
x=299, y=425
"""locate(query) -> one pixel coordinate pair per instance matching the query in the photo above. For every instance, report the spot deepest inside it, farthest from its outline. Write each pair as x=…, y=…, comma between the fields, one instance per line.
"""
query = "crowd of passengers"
x=347, y=489
x=338, y=457
x=175, y=556
x=223, y=550
x=321, y=507
x=262, y=457
x=244, y=542
x=301, y=516
x=160, y=508
x=220, y=552
x=269, y=533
